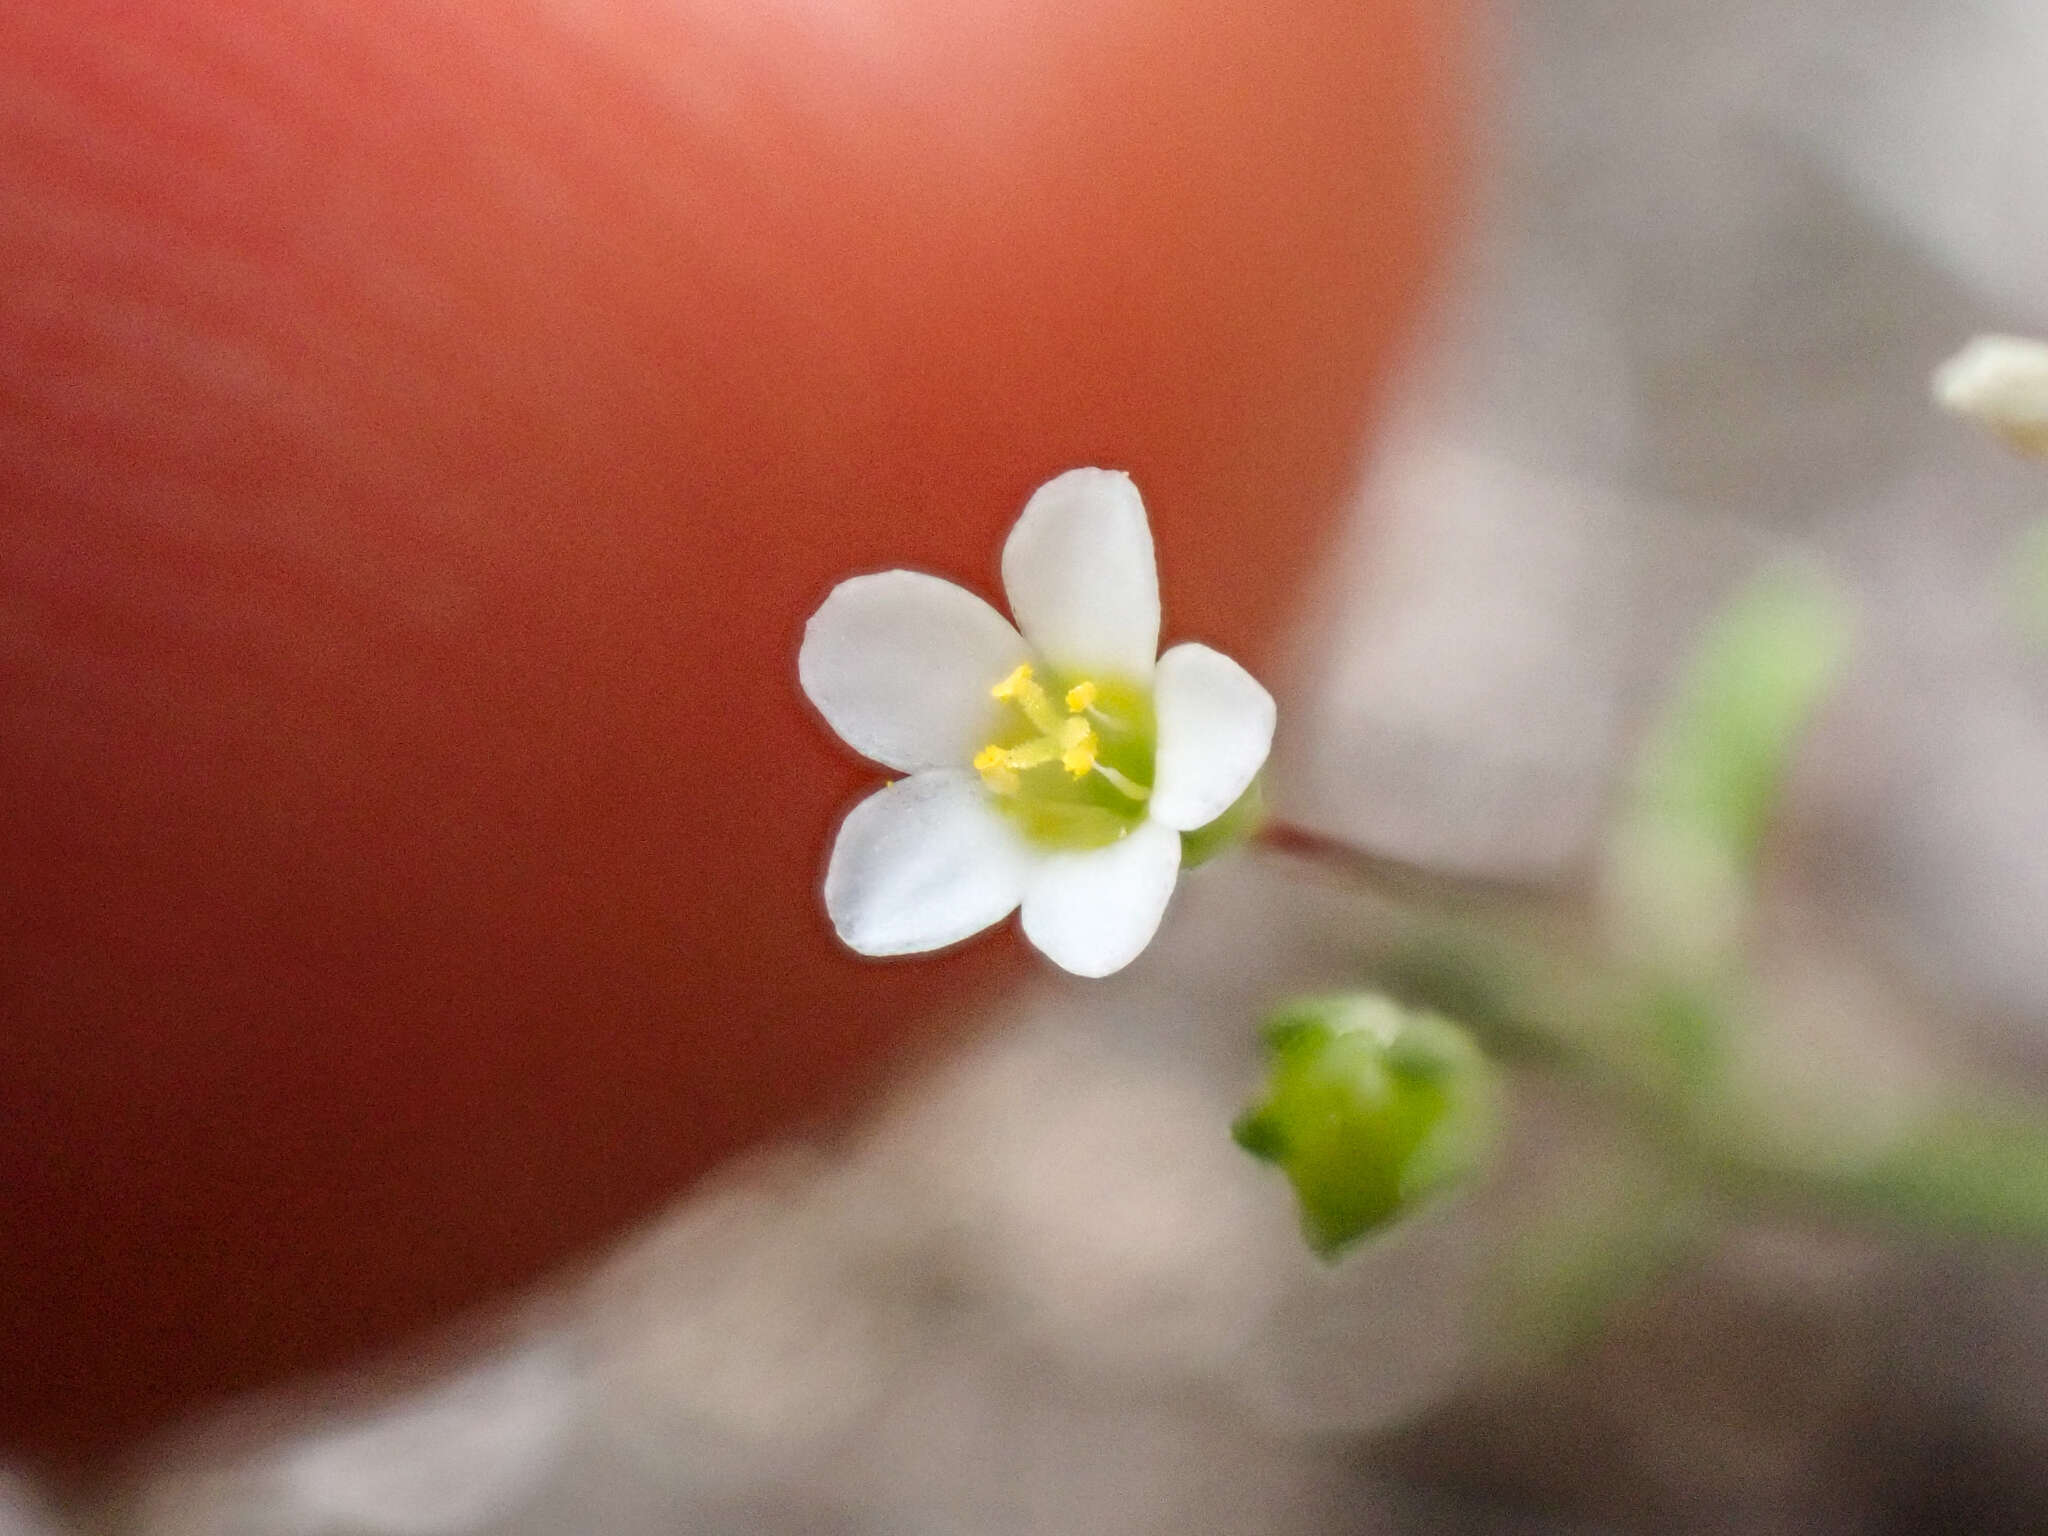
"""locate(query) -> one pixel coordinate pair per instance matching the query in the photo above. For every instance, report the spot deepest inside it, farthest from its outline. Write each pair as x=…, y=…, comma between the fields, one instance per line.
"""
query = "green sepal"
x=1234, y=826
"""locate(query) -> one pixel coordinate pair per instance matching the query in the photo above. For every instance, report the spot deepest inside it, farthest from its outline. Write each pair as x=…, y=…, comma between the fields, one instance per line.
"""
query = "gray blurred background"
x=1716, y=252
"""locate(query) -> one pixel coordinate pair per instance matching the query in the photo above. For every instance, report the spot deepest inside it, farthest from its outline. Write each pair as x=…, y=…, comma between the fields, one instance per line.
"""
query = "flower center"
x=1072, y=778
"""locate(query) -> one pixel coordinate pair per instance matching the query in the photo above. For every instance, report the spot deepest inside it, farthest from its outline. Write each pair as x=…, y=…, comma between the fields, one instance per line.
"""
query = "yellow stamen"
x=1130, y=788
x=1071, y=739
x=1029, y=755
x=1007, y=688
x=992, y=763
x=1077, y=746
x=1021, y=689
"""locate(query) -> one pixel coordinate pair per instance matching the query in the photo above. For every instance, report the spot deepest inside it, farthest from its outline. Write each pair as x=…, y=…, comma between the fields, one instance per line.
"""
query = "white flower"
x=1054, y=769
x=2001, y=383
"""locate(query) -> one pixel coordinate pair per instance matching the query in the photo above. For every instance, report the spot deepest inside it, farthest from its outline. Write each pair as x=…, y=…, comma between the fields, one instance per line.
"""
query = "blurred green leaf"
x=1981, y=1174
x=1565, y=1280
x=1686, y=1026
x=1370, y=1110
x=1683, y=860
x=1720, y=756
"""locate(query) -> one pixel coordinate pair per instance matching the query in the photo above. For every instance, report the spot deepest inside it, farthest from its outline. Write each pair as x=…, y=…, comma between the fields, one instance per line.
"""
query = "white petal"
x=900, y=665
x=1093, y=913
x=1079, y=571
x=922, y=864
x=1215, y=729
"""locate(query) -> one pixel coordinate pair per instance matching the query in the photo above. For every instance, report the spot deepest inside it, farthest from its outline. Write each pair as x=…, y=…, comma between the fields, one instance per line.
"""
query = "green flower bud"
x=1370, y=1110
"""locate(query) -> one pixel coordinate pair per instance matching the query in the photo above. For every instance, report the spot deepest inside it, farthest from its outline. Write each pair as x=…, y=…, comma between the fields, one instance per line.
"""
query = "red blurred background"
x=424, y=428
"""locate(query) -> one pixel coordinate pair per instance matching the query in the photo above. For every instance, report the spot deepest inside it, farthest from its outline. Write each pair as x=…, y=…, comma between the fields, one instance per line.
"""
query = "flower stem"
x=1395, y=879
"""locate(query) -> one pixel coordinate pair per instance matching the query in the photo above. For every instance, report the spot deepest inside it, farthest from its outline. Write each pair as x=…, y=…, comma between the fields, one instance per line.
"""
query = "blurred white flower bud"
x=2000, y=383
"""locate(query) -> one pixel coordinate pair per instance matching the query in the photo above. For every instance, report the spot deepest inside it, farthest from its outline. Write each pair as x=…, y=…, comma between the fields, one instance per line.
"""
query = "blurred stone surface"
x=22, y=1509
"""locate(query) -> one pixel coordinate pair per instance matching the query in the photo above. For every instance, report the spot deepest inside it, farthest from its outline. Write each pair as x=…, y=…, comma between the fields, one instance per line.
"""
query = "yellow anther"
x=1009, y=686
x=1077, y=746
x=1023, y=690
x=992, y=763
x=1080, y=696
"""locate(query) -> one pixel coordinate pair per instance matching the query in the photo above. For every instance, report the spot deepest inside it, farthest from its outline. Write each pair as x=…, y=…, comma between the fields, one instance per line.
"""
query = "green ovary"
x=1072, y=760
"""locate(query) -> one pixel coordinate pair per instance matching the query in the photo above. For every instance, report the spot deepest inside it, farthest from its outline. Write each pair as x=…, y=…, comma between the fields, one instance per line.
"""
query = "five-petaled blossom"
x=1054, y=769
